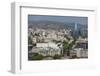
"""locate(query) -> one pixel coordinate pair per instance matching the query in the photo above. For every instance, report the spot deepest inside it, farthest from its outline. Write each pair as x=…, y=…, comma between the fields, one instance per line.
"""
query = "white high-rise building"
x=75, y=26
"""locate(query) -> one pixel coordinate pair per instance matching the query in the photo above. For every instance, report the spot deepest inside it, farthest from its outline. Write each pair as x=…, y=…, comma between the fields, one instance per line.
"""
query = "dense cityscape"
x=48, y=40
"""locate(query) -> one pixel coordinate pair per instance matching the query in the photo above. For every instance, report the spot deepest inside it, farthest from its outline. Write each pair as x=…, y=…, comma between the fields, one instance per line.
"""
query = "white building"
x=79, y=52
x=34, y=40
x=47, y=49
x=49, y=44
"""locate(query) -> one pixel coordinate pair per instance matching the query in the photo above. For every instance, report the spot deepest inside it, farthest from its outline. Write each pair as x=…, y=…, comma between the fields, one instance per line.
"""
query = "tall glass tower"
x=75, y=28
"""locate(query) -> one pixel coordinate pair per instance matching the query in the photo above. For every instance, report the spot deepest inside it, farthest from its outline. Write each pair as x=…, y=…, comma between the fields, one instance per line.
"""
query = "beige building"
x=79, y=52
x=47, y=49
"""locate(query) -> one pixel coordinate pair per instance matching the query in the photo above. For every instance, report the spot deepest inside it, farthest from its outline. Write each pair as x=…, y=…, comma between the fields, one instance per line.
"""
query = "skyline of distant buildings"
x=65, y=19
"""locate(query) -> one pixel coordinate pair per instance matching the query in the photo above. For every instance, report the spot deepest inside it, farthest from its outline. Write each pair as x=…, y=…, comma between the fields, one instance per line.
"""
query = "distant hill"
x=55, y=25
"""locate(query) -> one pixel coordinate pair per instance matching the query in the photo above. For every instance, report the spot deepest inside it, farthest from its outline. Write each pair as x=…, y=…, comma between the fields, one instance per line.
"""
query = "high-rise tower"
x=75, y=26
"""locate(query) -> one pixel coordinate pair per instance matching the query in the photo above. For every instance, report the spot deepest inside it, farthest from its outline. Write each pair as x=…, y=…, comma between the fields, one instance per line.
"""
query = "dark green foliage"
x=56, y=57
x=74, y=56
x=68, y=46
x=37, y=57
x=29, y=40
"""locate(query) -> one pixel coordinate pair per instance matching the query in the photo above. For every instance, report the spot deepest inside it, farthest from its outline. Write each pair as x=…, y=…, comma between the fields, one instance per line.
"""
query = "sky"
x=66, y=19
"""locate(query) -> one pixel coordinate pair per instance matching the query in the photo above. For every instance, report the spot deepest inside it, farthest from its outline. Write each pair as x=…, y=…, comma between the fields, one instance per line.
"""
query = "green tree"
x=37, y=57
x=56, y=57
x=29, y=40
x=65, y=47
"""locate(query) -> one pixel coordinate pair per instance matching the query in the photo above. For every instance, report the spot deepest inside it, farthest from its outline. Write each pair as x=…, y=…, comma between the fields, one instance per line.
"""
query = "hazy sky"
x=66, y=19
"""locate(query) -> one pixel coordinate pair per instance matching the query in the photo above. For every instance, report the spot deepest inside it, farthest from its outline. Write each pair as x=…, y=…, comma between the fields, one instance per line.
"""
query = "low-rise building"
x=79, y=53
x=47, y=49
x=80, y=50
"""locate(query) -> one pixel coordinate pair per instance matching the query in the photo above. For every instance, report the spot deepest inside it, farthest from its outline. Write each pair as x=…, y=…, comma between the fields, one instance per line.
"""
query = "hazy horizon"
x=65, y=19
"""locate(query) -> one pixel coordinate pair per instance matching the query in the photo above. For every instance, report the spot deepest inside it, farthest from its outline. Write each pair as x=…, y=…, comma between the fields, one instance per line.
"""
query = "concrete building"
x=79, y=53
x=47, y=49
x=80, y=50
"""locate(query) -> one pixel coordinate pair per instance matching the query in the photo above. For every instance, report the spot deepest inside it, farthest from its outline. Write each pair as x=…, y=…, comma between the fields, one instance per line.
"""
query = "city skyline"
x=65, y=19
